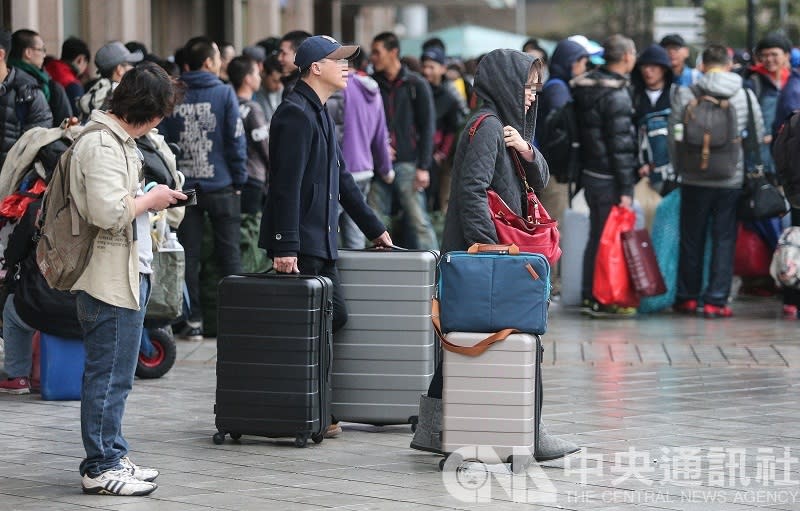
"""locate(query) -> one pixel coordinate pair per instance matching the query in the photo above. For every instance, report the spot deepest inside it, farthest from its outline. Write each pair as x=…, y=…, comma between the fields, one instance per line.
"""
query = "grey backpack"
x=711, y=142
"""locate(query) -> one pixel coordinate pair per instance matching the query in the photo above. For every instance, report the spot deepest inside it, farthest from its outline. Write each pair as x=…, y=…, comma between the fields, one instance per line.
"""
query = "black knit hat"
x=774, y=40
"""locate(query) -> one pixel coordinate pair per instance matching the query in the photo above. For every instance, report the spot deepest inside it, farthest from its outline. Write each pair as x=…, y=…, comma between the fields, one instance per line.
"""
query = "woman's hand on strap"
x=514, y=140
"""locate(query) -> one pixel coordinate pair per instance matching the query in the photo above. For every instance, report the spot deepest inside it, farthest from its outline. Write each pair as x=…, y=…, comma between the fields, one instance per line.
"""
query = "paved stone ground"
x=674, y=413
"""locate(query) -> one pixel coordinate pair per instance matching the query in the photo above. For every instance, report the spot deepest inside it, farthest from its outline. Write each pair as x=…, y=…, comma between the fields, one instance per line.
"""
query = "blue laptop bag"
x=493, y=287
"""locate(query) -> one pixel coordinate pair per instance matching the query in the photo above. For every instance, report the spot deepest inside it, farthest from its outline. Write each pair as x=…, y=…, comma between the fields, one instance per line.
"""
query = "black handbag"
x=760, y=198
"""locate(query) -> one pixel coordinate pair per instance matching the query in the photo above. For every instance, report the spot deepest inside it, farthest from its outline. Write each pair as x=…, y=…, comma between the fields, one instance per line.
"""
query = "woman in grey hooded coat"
x=506, y=82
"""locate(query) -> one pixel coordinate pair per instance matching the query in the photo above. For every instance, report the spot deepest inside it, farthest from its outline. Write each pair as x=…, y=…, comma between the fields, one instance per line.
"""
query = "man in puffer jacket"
x=22, y=103
x=705, y=200
x=608, y=152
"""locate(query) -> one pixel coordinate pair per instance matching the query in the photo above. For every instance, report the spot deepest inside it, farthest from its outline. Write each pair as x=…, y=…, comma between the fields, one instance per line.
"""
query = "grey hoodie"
x=484, y=162
x=725, y=85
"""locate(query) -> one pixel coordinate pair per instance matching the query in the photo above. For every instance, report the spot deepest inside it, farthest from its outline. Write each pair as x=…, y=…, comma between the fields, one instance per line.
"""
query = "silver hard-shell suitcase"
x=490, y=401
x=386, y=354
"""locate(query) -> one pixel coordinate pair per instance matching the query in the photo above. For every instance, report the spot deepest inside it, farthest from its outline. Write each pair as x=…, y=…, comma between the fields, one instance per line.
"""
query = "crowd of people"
x=297, y=146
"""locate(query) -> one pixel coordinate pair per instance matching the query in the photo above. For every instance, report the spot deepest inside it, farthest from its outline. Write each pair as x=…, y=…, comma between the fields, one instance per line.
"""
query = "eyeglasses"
x=42, y=49
x=341, y=62
x=535, y=87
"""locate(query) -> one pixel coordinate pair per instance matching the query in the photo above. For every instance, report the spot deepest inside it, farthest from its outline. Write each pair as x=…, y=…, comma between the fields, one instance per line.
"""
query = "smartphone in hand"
x=191, y=199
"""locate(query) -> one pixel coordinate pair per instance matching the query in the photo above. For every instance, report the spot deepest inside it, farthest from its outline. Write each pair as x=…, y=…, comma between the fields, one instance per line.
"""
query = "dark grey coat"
x=485, y=162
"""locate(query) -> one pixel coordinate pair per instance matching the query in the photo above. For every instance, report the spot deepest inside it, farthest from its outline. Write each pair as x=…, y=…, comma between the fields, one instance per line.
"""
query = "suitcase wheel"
x=318, y=438
x=236, y=436
x=452, y=462
x=413, y=420
x=519, y=464
x=301, y=440
x=219, y=437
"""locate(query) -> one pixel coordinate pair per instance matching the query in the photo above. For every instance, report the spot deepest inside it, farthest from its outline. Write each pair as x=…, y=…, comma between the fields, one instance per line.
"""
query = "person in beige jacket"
x=107, y=187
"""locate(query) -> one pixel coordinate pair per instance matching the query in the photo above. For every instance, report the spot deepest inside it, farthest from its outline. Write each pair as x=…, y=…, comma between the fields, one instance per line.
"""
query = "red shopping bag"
x=753, y=256
x=612, y=285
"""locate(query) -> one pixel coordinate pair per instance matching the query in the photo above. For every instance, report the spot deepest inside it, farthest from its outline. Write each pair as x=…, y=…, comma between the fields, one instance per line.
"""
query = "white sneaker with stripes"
x=140, y=473
x=117, y=482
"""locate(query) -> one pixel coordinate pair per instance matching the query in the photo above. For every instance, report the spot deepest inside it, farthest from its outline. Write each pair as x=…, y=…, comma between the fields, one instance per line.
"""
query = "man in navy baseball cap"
x=320, y=47
x=309, y=179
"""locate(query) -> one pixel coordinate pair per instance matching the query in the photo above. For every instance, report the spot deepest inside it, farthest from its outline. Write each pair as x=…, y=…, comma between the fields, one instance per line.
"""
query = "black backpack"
x=561, y=144
x=786, y=154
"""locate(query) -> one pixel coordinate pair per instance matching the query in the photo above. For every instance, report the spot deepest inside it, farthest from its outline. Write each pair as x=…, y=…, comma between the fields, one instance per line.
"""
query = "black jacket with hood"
x=485, y=162
x=410, y=115
x=655, y=55
x=608, y=141
x=556, y=92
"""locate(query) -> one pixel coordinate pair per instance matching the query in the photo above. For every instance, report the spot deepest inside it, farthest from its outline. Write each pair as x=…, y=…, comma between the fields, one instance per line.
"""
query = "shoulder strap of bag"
x=471, y=351
x=476, y=125
x=64, y=172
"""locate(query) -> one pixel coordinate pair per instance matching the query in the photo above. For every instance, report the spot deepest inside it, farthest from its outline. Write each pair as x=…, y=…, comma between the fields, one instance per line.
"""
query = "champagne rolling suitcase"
x=386, y=354
x=273, y=357
x=490, y=400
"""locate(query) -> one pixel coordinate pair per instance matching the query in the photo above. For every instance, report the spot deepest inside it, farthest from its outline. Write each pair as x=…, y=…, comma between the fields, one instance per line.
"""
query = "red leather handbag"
x=538, y=231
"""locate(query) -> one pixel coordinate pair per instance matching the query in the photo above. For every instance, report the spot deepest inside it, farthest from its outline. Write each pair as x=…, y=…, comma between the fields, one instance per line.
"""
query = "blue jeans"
x=412, y=203
x=352, y=237
x=111, y=336
x=17, y=336
x=699, y=206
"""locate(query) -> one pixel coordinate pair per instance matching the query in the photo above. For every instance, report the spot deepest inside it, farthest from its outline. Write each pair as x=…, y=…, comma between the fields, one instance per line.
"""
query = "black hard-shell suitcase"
x=274, y=345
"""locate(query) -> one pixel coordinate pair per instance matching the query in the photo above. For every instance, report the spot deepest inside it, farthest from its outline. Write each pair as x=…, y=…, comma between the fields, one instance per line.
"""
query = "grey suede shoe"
x=551, y=447
x=428, y=436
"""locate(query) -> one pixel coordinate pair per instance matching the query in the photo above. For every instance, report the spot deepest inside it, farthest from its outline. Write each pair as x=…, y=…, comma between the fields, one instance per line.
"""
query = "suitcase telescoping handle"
x=472, y=351
x=510, y=249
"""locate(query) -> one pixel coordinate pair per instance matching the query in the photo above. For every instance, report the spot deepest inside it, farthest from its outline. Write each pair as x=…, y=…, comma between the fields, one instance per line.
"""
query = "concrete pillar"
x=43, y=16
x=120, y=20
x=24, y=14
x=298, y=15
x=373, y=20
x=415, y=20
x=262, y=19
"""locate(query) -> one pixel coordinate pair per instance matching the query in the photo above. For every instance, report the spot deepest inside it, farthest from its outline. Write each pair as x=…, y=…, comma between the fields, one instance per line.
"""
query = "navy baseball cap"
x=434, y=53
x=319, y=47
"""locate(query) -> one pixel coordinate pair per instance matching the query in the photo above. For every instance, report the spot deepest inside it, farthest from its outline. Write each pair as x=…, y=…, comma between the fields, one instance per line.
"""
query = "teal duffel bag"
x=490, y=288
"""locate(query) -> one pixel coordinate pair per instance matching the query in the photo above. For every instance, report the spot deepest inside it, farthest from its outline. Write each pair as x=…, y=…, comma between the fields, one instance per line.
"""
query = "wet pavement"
x=672, y=412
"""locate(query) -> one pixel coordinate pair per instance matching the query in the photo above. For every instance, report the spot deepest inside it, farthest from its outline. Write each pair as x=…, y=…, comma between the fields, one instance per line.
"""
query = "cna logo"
x=468, y=474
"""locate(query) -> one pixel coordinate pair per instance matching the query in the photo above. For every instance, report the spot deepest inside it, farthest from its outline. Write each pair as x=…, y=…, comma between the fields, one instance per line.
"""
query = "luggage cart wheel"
x=300, y=441
x=219, y=438
x=413, y=420
x=236, y=436
x=441, y=464
x=318, y=438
